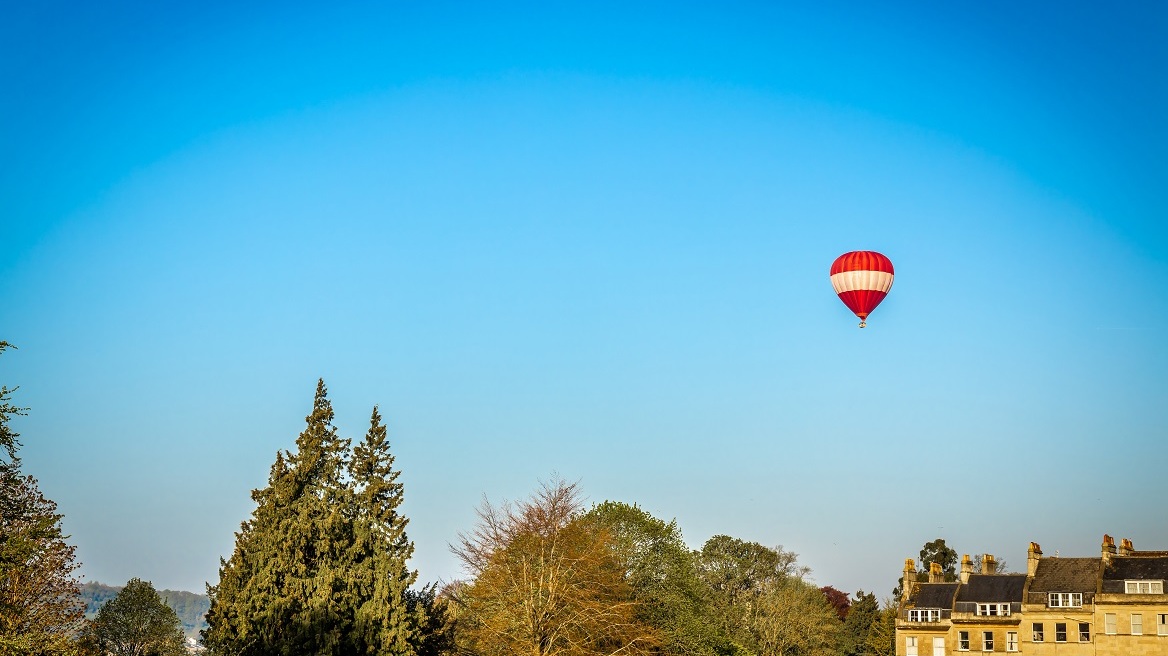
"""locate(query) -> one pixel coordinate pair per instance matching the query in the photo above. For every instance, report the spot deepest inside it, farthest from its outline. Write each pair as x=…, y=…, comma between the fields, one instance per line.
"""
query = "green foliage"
x=189, y=606
x=862, y=614
x=39, y=609
x=319, y=568
x=794, y=618
x=435, y=635
x=737, y=573
x=938, y=552
x=137, y=622
x=662, y=572
x=882, y=634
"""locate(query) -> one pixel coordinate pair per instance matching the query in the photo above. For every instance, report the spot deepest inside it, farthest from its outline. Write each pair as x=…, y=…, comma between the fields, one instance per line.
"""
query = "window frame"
x=1110, y=623
x=1064, y=600
x=924, y=615
x=910, y=646
x=993, y=610
x=1137, y=623
x=1011, y=641
x=1037, y=632
x=1154, y=586
x=1162, y=624
x=963, y=641
x=1058, y=632
x=1084, y=632
x=987, y=640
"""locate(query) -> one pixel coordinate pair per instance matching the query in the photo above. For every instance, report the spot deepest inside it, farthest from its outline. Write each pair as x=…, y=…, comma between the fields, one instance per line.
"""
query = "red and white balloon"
x=862, y=279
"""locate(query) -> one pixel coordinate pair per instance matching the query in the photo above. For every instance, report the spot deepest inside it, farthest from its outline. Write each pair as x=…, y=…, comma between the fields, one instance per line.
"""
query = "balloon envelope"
x=862, y=279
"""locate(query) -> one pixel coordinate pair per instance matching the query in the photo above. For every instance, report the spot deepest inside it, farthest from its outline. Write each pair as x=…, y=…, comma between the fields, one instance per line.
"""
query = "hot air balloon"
x=862, y=279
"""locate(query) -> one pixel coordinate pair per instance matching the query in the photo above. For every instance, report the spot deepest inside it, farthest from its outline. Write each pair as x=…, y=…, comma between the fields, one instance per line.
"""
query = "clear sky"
x=593, y=239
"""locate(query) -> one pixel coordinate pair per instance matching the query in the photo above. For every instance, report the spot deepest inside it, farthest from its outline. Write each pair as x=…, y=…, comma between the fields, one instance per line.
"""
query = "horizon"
x=593, y=241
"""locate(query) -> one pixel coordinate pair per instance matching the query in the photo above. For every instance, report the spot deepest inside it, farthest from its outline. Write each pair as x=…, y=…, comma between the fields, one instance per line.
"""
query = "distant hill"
x=190, y=607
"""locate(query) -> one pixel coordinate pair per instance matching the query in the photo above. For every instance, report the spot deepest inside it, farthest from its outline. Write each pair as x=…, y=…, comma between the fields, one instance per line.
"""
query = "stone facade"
x=1112, y=605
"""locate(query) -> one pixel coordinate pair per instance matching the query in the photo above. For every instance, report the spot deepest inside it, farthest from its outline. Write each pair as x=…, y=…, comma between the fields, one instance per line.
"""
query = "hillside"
x=189, y=607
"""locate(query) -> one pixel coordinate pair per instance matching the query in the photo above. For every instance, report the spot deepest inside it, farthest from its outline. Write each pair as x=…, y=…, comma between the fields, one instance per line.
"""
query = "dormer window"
x=1065, y=600
x=993, y=609
x=924, y=615
x=1144, y=587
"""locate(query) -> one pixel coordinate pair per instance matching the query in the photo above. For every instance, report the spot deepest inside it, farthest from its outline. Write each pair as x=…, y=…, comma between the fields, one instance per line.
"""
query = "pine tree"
x=385, y=624
x=284, y=589
x=40, y=607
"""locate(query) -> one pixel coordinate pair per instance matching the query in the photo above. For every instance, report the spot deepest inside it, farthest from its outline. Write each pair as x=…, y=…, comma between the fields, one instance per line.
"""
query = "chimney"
x=988, y=564
x=966, y=568
x=1125, y=547
x=909, y=578
x=935, y=574
x=1033, y=555
x=1108, y=548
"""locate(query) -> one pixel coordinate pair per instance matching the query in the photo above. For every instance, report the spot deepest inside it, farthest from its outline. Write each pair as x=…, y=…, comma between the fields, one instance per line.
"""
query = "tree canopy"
x=546, y=582
x=137, y=622
x=40, y=612
x=320, y=567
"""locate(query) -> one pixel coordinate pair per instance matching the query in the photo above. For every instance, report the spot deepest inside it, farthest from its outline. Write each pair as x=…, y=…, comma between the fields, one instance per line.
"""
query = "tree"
x=319, y=568
x=938, y=552
x=662, y=572
x=545, y=582
x=933, y=552
x=864, y=612
x=882, y=634
x=435, y=634
x=737, y=574
x=40, y=610
x=137, y=622
x=839, y=600
x=385, y=623
x=794, y=618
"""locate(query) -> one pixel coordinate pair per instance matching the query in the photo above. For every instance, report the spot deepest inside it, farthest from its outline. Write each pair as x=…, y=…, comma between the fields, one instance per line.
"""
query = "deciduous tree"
x=137, y=622
x=40, y=610
x=545, y=582
x=662, y=572
x=737, y=573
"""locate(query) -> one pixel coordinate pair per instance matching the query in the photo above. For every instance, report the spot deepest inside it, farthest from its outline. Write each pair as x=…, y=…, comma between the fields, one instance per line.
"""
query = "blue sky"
x=593, y=240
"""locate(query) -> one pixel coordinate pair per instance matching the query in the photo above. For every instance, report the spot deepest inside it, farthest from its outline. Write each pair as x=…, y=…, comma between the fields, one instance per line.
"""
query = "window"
x=1144, y=587
x=910, y=646
x=1084, y=632
x=1011, y=641
x=925, y=615
x=993, y=609
x=987, y=640
x=963, y=640
x=938, y=647
x=1060, y=632
x=1065, y=600
x=1162, y=624
x=1137, y=621
x=1038, y=632
x=1109, y=623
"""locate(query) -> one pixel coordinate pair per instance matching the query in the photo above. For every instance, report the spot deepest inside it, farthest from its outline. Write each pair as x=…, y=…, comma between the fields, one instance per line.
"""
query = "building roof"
x=993, y=588
x=933, y=595
x=1145, y=566
x=1066, y=575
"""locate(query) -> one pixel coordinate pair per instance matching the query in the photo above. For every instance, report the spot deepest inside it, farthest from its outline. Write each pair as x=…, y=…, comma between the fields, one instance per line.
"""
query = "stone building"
x=1113, y=604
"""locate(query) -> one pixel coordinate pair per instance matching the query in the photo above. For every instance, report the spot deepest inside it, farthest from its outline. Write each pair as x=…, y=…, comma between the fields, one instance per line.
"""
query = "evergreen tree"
x=385, y=623
x=863, y=614
x=40, y=610
x=137, y=622
x=284, y=590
